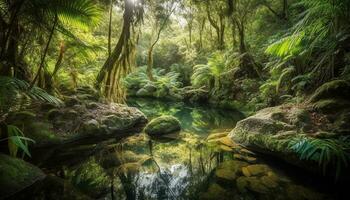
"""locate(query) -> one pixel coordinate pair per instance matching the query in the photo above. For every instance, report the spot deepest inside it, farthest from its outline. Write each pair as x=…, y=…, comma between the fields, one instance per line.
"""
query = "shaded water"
x=197, y=163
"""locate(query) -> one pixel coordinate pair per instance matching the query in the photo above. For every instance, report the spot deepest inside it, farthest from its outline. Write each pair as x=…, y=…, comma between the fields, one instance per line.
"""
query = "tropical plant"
x=208, y=75
x=12, y=91
x=322, y=30
x=330, y=154
x=38, y=16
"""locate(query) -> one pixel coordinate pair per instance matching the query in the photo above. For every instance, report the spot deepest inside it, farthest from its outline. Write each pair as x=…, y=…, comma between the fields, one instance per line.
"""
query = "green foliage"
x=163, y=81
x=330, y=154
x=314, y=44
x=17, y=140
x=13, y=89
x=286, y=47
x=209, y=75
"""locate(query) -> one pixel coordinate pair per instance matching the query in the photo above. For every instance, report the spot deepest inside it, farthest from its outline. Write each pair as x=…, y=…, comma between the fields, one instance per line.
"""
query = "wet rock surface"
x=272, y=130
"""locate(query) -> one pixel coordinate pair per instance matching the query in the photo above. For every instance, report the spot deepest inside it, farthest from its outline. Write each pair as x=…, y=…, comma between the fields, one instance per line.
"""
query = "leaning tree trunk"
x=150, y=50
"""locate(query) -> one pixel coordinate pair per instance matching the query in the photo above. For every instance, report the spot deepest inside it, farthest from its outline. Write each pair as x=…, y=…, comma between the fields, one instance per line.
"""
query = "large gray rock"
x=270, y=130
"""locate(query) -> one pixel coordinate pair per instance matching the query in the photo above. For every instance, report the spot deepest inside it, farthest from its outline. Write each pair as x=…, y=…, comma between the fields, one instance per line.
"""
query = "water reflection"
x=202, y=163
x=194, y=118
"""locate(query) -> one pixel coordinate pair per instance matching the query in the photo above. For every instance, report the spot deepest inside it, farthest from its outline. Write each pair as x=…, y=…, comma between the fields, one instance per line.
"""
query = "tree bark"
x=150, y=50
x=45, y=52
x=219, y=29
x=124, y=37
x=201, y=34
x=110, y=28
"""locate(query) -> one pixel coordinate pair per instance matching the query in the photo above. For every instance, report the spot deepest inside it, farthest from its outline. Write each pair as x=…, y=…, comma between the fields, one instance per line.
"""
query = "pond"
x=200, y=162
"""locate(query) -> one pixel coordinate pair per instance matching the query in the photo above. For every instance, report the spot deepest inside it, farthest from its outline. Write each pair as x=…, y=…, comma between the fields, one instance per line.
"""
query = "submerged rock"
x=215, y=191
x=163, y=125
x=255, y=170
x=16, y=175
x=227, y=171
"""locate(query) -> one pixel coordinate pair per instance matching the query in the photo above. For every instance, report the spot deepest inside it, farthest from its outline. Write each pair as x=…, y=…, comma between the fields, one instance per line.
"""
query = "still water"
x=200, y=162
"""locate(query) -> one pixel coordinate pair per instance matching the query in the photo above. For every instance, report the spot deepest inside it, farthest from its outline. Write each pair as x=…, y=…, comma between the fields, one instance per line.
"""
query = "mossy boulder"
x=163, y=125
x=331, y=90
x=40, y=131
x=214, y=192
x=329, y=106
x=228, y=171
x=270, y=131
x=90, y=127
x=255, y=170
x=16, y=175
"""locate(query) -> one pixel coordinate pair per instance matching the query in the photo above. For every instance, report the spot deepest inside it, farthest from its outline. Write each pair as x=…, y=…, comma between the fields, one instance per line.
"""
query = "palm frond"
x=330, y=154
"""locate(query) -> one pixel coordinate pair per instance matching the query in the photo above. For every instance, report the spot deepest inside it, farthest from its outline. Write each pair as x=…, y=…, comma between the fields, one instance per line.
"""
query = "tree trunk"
x=150, y=64
x=110, y=28
x=150, y=50
x=124, y=37
x=219, y=29
x=222, y=33
x=45, y=52
x=49, y=81
x=201, y=34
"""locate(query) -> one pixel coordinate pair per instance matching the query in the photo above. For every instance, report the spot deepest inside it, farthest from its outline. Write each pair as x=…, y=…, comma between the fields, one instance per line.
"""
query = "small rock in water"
x=228, y=142
x=269, y=181
x=248, y=159
x=255, y=170
x=257, y=186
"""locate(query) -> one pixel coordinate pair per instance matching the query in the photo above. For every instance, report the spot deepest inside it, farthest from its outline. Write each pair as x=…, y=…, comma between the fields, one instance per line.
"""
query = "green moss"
x=264, y=141
x=331, y=105
x=40, y=132
x=214, y=192
x=163, y=125
x=16, y=174
x=332, y=89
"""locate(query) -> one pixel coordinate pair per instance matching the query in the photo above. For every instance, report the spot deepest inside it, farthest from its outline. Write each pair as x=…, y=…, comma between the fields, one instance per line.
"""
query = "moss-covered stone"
x=332, y=105
x=257, y=186
x=245, y=158
x=214, y=192
x=16, y=174
x=40, y=131
x=331, y=90
x=163, y=125
x=269, y=181
x=90, y=127
x=227, y=171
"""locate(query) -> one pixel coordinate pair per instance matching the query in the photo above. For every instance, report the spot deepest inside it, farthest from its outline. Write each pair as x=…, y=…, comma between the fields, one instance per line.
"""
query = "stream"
x=192, y=164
